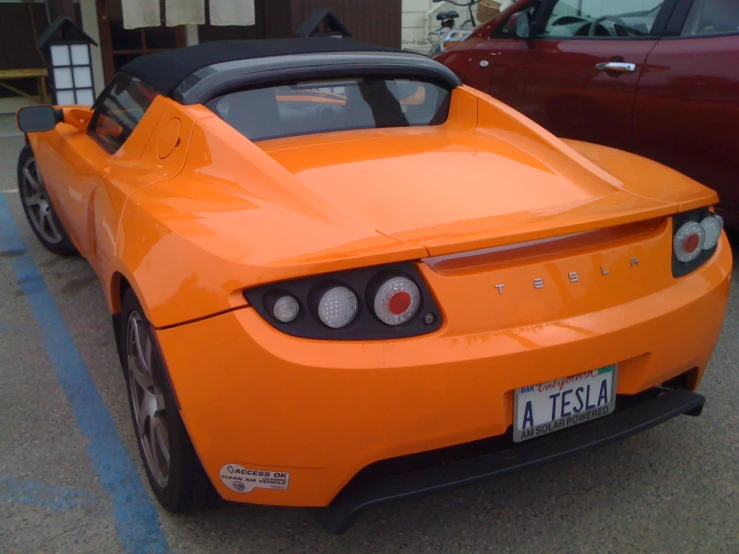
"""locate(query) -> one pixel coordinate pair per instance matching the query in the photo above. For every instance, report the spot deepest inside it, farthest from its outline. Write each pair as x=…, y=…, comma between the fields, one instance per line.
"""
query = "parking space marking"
x=43, y=495
x=9, y=191
x=136, y=518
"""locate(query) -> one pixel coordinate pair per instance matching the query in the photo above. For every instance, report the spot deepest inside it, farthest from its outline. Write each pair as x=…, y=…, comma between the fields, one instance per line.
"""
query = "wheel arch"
x=119, y=284
x=117, y=287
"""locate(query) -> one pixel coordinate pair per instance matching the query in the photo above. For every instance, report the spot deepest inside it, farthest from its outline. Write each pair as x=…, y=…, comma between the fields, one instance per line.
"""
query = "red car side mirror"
x=519, y=25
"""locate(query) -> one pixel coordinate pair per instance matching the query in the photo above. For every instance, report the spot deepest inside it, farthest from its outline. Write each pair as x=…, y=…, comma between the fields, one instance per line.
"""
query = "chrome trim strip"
x=435, y=260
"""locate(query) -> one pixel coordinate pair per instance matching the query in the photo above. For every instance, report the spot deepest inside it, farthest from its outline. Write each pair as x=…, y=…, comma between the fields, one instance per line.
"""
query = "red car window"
x=602, y=18
x=712, y=17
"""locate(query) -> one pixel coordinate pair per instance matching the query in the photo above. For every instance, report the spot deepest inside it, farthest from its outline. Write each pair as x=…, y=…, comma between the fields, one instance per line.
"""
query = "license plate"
x=548, y=407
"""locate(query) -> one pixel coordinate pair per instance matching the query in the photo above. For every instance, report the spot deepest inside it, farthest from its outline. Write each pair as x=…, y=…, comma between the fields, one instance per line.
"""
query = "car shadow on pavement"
x=553, y=506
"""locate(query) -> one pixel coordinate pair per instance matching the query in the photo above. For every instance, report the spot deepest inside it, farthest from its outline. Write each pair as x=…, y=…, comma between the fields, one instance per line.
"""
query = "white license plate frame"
x=572, y=383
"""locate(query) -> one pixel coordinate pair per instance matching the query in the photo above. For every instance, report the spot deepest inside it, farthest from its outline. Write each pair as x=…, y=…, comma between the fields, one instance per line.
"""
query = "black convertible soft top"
x=166, y=70
x=196, y=73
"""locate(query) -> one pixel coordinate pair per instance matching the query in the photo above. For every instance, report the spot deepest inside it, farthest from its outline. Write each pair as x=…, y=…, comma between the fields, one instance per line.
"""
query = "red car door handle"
x=616, y=67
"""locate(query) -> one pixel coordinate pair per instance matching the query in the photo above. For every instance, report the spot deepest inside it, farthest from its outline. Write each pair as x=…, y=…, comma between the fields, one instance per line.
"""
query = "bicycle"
x=470, y=23
x=448, y=32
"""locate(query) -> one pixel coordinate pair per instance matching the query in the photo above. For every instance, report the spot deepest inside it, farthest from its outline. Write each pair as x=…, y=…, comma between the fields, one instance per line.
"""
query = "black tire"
x=37, y=206
x=186, y=487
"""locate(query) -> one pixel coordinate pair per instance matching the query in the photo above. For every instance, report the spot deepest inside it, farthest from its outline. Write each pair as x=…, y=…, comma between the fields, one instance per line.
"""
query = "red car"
x=659, y=78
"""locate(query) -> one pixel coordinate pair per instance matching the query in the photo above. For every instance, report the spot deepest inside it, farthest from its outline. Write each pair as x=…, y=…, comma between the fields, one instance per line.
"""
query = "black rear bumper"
x=357, y=496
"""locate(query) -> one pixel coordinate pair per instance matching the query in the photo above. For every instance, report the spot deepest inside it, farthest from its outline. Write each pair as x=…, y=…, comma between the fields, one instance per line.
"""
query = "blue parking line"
x=137, y=520
x=43, y=495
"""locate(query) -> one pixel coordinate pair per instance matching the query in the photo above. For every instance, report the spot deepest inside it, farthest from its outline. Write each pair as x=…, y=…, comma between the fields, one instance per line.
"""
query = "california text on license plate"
x=548, y=407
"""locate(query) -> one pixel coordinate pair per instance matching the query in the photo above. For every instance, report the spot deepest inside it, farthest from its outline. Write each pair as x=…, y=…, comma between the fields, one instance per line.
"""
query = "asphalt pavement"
x=71, y=480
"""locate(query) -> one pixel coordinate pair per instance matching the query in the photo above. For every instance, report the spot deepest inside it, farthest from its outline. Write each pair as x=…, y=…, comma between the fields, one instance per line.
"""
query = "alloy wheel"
x=147, y=399
x=35, y=198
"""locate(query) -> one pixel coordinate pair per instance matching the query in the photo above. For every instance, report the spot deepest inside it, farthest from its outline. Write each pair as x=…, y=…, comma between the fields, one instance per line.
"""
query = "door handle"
x=616, y=67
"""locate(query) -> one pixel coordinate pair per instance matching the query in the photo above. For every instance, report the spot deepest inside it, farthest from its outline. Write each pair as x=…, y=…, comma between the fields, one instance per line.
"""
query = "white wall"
x=91, y=27
x=414, y=34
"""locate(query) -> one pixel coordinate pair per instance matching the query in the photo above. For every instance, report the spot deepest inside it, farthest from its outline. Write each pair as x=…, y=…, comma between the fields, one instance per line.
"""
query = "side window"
x=602, y=18
x=712, y=17
x=119, y=109
x=504, y=30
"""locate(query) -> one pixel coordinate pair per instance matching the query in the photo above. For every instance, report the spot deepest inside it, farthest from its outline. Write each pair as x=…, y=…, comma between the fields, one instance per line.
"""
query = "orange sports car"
x=338, y=276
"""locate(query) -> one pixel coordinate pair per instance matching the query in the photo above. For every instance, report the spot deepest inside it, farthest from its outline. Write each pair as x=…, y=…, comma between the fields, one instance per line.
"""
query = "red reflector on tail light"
x=691, y=243
x=399, y=302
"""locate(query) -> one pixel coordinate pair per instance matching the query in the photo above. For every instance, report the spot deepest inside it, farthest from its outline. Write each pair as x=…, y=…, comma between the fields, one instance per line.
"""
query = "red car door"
x=491, y=58
x=687, y=106
x=578, y=72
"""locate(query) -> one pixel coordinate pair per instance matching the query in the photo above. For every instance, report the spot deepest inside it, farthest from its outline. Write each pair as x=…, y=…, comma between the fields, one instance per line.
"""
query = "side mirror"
x=37, y=119
x=520, y=25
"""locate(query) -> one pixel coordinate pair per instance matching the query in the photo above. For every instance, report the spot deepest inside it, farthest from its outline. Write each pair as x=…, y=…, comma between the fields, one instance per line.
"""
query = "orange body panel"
x=191, y=214
x=329, y=202
x=323, y=411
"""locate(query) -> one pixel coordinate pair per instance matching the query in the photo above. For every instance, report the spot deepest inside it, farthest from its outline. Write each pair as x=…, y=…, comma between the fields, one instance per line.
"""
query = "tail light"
x=337, y=307
x=384, y=302
x=712, y=225
x=286, y=309
x=688, y=241
x=695, y=239
x=397, y=301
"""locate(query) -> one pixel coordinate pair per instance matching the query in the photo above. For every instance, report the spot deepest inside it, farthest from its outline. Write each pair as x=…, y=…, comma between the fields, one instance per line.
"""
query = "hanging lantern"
x=66, y=51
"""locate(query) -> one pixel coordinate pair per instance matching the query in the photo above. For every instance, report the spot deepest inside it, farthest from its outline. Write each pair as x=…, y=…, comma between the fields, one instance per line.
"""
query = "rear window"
x=332, y=105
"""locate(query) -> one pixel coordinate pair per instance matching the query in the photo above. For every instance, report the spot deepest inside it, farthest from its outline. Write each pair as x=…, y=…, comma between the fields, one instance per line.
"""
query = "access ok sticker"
x=241, y=479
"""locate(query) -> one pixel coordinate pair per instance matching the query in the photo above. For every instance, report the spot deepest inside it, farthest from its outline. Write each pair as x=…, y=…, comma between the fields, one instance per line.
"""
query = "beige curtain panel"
x=141, y=13
x=146, y=13
x=232, y=12
x=184, y=12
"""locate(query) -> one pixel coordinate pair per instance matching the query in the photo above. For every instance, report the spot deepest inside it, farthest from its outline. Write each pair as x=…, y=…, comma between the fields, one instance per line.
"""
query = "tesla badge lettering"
x=242, y=479
x=573, y=276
